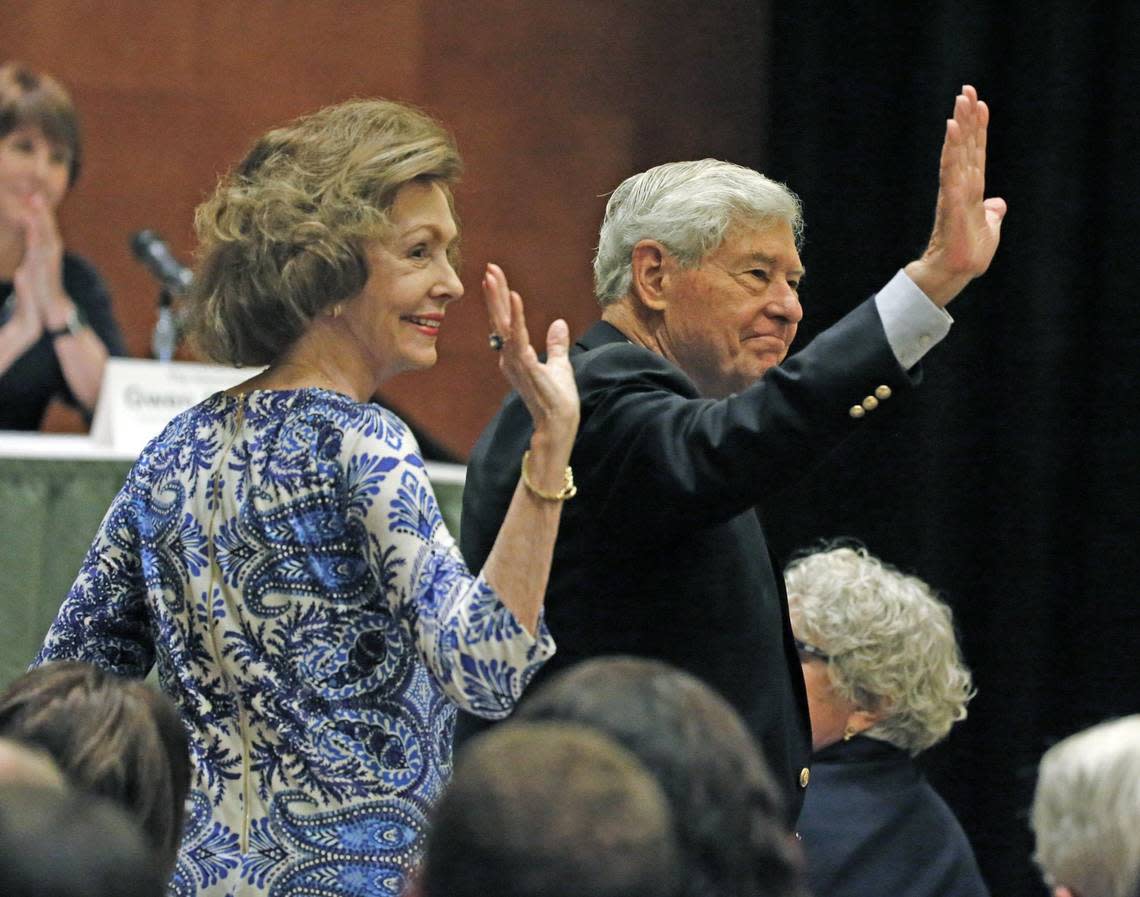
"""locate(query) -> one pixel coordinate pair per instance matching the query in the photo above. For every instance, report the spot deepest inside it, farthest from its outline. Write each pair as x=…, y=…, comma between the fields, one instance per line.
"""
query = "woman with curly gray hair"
x=278, y=551
x=884, y=682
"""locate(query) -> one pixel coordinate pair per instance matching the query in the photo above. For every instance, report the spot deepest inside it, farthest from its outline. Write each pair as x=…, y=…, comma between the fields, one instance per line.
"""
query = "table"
x=54, y=491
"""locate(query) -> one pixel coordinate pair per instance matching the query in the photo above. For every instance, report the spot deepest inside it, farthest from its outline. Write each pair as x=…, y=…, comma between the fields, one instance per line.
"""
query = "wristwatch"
x=75, y=325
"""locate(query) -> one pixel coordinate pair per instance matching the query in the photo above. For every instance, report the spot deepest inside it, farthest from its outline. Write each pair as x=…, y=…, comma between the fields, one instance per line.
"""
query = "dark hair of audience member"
x=549, y=810
x=113, y=737
x=729, y=814
x=36, y=99
x=55, y=842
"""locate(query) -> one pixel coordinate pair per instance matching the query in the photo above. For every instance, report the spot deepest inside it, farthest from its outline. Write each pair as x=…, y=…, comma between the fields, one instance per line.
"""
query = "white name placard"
x=139, y=397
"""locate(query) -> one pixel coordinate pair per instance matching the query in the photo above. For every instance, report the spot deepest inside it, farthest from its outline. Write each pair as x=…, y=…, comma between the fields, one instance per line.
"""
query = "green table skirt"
x=49, y=513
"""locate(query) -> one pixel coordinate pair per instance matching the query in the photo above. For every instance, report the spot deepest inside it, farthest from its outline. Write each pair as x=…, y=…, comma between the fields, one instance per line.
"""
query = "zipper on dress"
x=243, y=724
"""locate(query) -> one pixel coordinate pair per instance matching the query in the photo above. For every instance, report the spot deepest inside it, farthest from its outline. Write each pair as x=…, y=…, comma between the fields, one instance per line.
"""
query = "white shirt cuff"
x=914, y=325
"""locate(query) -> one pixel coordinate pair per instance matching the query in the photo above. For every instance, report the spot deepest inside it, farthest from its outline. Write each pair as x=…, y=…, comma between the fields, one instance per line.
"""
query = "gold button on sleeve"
x=856, y=411
x=805, y=777
x=883, y=392
x=870, y=403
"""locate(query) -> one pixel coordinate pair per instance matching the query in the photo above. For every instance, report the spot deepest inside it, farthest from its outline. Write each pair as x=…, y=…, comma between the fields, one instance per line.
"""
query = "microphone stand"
x=165, y=338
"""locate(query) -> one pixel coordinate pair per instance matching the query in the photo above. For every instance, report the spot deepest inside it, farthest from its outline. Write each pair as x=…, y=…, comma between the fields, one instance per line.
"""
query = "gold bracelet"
x=568, y=490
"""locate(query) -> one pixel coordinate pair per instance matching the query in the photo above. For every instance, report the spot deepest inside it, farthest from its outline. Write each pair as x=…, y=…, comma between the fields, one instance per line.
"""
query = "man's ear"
x=650, y=265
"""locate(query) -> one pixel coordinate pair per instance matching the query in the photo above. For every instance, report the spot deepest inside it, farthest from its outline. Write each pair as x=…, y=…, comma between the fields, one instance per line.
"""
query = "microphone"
x=150, y=249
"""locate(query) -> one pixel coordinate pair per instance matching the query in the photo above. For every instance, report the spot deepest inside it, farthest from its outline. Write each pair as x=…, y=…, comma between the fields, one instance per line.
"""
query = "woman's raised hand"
x=518, y=566
x=548, y=389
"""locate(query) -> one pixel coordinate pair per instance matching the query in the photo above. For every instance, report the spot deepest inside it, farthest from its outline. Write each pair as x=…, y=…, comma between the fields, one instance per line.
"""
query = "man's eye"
x=794, y=284
x=759, y=273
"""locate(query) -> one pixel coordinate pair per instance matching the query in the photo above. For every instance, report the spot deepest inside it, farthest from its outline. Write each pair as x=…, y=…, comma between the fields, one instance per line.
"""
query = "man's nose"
x=785, y=303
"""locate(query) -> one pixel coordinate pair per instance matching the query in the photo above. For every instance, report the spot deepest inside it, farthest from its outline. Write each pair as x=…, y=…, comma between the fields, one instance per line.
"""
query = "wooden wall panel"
x=552, y=104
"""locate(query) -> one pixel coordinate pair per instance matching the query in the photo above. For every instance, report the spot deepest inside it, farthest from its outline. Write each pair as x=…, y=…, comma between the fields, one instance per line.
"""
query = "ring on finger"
x=495, y=341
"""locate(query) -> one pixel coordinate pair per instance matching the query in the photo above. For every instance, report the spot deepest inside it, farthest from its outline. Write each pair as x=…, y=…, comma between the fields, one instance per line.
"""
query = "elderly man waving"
x=691, y=418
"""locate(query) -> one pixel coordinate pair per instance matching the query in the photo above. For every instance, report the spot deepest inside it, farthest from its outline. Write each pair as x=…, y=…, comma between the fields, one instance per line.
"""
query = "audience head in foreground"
x=22, y=764
x=55, y=842
x=1086, y=812
x=728, y=811
x=549, y=810
x=112, y=737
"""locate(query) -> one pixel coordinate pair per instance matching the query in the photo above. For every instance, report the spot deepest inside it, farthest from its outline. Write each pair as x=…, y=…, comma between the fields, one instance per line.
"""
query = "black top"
x=35, y=377
x=662, y=554
x=871, y=824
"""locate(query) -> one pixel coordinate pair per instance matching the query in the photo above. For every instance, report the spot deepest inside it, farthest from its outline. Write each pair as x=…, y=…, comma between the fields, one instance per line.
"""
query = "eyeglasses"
x=806, y=650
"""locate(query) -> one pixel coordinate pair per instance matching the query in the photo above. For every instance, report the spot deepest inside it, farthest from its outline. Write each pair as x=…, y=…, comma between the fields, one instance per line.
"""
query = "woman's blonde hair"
x=283, y=237
x=890, y=641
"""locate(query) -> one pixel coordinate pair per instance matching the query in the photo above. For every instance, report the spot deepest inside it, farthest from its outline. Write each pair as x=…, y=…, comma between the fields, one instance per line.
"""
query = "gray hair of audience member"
x=890, y=640
x=22, y=764
x=113, y=737
x=55, y=842
x=688, y=207
x=283, y=238
x=1086, y=811
x=549, y=810
x=728, y=812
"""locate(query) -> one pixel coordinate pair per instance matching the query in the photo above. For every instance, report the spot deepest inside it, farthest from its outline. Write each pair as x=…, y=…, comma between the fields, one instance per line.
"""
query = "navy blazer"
x=871, y=824
x=662, y=553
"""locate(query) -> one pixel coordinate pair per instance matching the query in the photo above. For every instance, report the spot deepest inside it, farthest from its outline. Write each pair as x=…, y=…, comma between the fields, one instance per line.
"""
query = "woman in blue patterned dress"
x=278, y=549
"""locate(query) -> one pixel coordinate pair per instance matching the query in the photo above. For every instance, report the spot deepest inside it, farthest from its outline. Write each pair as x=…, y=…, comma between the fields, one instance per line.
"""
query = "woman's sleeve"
x=474, y=647
x=103, y=620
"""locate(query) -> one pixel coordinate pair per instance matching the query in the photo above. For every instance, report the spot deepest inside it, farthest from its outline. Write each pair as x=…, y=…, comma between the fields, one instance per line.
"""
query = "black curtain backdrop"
x=1011, y=484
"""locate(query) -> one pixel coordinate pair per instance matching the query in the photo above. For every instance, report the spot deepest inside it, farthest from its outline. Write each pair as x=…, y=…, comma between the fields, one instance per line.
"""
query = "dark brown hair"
x=34, y=99
x=550, y=810
x=113, y=737
x=56, y=841
x=729, y=814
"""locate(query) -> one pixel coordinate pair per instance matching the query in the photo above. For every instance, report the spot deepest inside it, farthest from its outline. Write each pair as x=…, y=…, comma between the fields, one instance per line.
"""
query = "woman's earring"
x=849, y=733
x=336, y=310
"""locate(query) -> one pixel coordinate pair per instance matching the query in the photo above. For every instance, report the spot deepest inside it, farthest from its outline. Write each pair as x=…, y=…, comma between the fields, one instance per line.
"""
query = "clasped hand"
x=38, y=281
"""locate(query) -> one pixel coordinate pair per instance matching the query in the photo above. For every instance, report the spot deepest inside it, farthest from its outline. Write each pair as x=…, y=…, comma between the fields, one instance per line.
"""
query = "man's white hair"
x=1086, y=811
x=688, y=207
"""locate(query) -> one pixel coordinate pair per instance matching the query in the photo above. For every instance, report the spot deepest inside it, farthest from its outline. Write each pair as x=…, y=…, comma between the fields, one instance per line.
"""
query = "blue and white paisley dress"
x=282, y=557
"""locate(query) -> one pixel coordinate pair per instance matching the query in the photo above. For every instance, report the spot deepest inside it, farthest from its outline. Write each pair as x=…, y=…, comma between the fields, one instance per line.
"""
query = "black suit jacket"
x=662, y=553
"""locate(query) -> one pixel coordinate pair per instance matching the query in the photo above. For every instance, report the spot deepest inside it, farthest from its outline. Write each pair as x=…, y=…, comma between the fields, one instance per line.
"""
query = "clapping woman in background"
x=56, y=327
